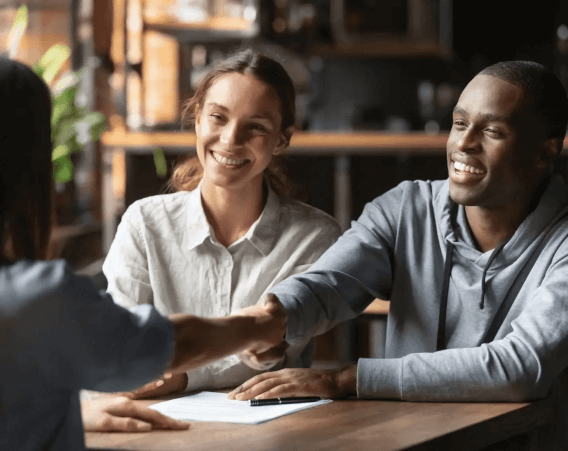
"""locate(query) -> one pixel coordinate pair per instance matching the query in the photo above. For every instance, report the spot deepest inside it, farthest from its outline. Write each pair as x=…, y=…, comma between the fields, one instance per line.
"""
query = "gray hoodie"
x=397, y=250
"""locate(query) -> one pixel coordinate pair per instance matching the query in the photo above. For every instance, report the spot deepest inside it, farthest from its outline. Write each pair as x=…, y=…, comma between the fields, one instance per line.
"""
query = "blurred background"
x=376, y=81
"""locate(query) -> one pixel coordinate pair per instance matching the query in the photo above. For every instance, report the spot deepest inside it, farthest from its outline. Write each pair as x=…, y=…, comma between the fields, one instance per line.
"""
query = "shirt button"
x=226, y=263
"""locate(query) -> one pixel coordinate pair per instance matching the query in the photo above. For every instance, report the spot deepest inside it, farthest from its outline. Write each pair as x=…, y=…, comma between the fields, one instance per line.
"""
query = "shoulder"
x=27, y=281
x=411, y=195
x=154, y=210
x=416, y=190
x=303, y=216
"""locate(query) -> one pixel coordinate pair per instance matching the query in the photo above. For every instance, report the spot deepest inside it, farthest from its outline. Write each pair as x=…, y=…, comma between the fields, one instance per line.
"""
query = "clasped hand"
x=268, y=311
x=265, y=349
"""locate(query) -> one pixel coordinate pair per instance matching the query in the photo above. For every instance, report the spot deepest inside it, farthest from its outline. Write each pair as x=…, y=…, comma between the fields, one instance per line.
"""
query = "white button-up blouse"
x=166, y=254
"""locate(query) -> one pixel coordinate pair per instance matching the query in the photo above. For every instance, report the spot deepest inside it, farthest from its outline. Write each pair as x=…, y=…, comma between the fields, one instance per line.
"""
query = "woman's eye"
x=258, y=127
x=459, y=123
x=216, y=117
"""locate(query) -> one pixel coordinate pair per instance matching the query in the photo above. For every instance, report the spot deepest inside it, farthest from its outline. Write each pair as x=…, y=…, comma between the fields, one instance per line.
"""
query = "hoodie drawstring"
x=441, y=339
x=491, y=258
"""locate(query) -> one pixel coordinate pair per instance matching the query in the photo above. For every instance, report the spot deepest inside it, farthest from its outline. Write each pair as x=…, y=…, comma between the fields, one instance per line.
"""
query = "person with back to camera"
x=58, y=334
x=475, y=267
x=229, y=233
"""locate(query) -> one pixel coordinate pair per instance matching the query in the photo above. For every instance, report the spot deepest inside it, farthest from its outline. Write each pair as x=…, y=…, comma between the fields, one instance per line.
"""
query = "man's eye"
x=459, y=123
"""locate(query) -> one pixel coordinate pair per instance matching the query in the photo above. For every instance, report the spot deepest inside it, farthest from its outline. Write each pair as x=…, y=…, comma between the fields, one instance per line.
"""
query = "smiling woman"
x=229, y=233
x=261, y=70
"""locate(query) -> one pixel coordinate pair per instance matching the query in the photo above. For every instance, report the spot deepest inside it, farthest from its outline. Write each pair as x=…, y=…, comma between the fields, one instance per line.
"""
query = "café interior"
x=376, y=83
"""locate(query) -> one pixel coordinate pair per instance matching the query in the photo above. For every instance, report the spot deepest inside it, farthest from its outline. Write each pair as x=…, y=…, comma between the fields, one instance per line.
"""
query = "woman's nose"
x=231, y=136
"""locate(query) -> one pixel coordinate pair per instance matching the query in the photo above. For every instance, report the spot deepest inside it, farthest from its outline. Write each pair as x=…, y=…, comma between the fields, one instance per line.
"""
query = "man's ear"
x=549, y=151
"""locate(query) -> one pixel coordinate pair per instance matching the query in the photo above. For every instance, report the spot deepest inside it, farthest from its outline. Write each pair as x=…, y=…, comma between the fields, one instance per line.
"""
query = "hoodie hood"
x=453, y=227
x=494, y=271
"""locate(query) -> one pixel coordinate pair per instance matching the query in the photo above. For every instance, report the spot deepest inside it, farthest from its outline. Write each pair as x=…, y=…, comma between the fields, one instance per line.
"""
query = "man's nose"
x=467, y=141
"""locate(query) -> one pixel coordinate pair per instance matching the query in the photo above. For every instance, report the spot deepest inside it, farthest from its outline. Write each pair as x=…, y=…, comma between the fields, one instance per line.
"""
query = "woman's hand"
x=299, y=382
x=167, y=385
x=121, y=414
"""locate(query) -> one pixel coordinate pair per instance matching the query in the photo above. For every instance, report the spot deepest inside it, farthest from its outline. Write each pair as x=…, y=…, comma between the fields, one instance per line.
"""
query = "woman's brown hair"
x=26, y=173
x=188, y=173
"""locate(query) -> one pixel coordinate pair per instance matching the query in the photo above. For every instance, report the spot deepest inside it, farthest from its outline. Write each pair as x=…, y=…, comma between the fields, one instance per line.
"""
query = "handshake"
x=255, y=333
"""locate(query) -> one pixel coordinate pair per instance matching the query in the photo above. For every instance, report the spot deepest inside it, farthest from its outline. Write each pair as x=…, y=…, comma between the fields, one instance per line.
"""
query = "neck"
x=231, y=212
x=493, y=226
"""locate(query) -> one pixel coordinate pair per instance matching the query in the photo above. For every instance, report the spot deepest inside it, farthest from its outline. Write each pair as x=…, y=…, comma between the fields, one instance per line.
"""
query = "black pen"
x=276, y=401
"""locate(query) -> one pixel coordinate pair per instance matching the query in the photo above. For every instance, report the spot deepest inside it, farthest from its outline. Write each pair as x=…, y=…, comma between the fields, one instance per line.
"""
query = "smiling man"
x=476, y=266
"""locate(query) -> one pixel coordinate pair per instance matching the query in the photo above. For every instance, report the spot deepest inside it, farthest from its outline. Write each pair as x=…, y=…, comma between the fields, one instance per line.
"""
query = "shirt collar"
x=261, y=234
x=198, y=229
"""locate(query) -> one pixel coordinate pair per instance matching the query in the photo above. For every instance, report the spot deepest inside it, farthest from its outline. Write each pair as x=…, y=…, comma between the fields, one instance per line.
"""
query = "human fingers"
x=124, y=424
x=271, y=304
x=97, y=418
x=156, y=419
x=170, y=383
x=252, y=382
x=270, y=388
x=264, y=360
x=250, y=360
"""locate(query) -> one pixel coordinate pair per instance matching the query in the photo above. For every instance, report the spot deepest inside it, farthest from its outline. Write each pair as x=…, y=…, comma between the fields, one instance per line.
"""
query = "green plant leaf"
x=63, y=106
x=17, y=31
x=160, y=162
x=60, y=151
x=97, y=125
x=66, y=81
x=63, y=170
x=66, y=131
x=50, y=63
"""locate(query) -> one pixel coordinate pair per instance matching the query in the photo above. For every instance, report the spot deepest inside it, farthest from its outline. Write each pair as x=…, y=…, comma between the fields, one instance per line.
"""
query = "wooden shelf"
x=213, y=29
x=387, y=47
x=302, y=143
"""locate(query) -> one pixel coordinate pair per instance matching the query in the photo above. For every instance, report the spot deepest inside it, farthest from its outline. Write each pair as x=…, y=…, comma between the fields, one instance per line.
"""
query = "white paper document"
x=209, y=406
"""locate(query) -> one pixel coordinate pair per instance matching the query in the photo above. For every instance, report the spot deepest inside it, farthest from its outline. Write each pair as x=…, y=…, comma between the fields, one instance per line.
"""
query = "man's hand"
x=299, y=382
x=264, y=360
x=200, y=341
x=121, y=414
x=167, y=385
x=270, y=320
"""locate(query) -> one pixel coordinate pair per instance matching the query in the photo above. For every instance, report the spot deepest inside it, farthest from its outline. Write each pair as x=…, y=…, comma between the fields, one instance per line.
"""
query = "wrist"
x=346, y=381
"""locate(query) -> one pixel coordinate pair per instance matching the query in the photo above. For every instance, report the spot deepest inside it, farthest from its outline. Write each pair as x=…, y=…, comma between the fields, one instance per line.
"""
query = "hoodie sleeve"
x=517, y=367
x=348, y=276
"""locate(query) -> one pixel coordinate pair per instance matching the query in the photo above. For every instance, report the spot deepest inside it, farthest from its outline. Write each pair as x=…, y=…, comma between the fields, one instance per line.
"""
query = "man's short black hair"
x=543, y=88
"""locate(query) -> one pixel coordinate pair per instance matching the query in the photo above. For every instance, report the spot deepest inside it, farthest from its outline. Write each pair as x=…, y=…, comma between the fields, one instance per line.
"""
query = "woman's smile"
x=235, y=163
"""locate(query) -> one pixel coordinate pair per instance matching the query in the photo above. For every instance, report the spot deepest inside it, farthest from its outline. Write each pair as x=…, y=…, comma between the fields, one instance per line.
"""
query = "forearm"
x=200, y=341
x=492, y=373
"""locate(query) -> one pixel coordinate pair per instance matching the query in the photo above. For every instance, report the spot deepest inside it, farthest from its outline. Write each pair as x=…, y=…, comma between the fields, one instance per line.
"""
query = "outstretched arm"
x=203, y=340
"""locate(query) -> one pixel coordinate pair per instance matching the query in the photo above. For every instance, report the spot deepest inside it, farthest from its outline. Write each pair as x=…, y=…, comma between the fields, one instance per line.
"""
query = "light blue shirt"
x=58, y=335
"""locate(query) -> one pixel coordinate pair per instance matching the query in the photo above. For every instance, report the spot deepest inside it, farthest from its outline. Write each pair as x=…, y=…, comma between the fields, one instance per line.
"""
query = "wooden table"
x=350, y=425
